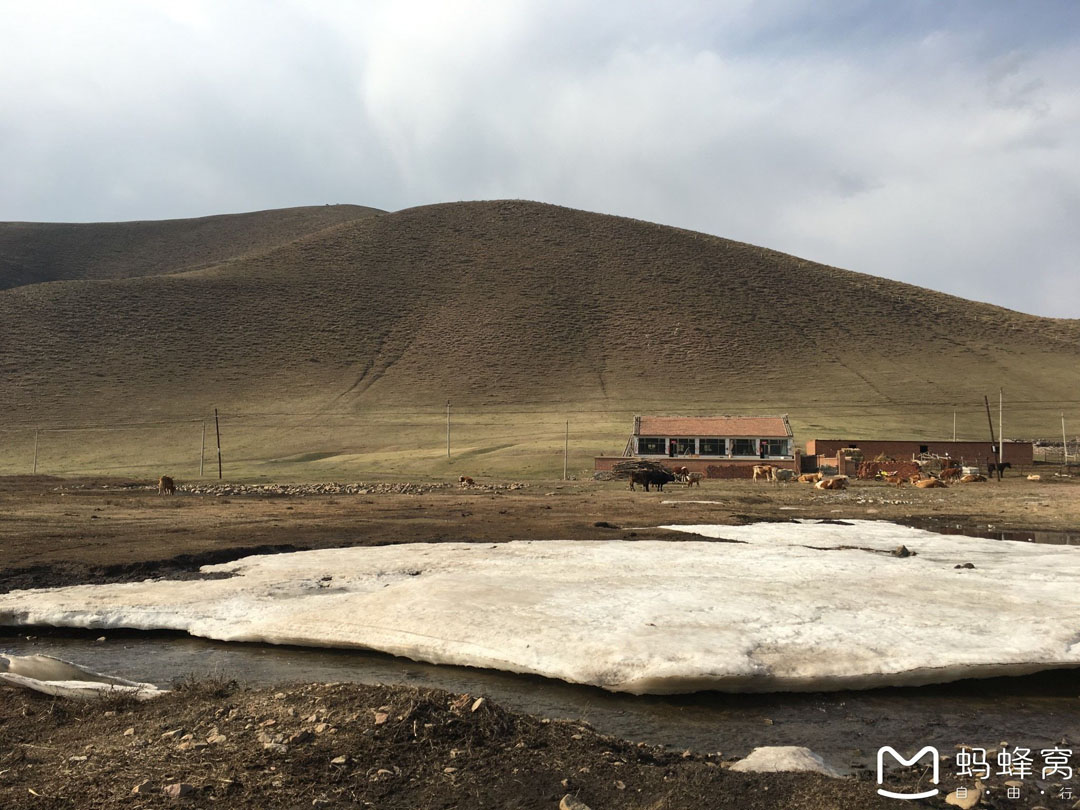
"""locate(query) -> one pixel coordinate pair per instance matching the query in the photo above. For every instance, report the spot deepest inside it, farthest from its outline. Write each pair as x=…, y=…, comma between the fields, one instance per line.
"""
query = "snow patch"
x=791, y=606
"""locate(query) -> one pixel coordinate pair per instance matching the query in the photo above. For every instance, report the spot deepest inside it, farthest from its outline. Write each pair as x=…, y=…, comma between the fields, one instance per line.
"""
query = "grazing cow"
x=972, y=479
x=694, y=479
x=681, y=473
x=765, y=471
x=166, y=486
x=655, y=478
x=1000, y=468
x=931, y=483
x=810, y=478
x=950, y=473
x=783, y=475
x=836, y=482
x=465, y=481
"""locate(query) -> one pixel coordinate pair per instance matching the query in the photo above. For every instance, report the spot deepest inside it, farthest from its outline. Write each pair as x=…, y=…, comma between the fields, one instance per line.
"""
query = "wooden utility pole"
x=37, y=432
x=447, y=430
x=1064, y=444
x=990, y=421
x=202, y=449
x=565, y=449
x=217, y=429
x=1001, y=432
x=954, y=424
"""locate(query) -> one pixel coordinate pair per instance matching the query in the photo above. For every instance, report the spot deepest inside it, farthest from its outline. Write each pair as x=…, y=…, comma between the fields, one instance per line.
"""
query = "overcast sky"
x=933, y=142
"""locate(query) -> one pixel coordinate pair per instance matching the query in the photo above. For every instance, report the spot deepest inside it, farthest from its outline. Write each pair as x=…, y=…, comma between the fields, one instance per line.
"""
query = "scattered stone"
x=321, y=727
x=172, y=735
x=970, y=798
x=568, y=802
x=143, y=788
x=901, y=551
x=301, y=737
x=100, y=639
x=78, y=759
x=965, y=565
x=276, y=747
x=178, y=790
x=449, y=769
x=216, y=739
x=129, y=732
x=381, y=717
x=773, y=759
x=477, y=704
x=341, y=761
x=620, y=785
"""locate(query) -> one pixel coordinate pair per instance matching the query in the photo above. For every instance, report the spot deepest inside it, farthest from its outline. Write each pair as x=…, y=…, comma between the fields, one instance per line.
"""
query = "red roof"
x=750, y=427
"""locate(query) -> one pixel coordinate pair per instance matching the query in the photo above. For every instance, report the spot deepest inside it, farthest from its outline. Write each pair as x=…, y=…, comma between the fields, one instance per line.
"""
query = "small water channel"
x=845, y=727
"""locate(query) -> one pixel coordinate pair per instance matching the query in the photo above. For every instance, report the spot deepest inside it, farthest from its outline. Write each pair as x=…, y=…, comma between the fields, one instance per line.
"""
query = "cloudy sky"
x=929, y=141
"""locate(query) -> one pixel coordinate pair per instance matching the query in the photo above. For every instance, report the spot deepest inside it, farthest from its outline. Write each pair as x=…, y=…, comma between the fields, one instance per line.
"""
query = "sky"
x=928, y=141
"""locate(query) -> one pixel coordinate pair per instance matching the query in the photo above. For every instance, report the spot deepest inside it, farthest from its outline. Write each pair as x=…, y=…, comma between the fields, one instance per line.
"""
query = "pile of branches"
x=623, y=469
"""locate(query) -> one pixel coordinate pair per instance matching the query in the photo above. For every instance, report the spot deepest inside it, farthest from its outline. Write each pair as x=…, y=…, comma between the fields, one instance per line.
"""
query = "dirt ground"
x=429, y=749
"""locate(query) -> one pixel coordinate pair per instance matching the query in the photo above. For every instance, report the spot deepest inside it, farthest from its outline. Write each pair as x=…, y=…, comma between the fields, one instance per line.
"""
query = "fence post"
x=37, y=431
x=217, y=429
x=202, y=449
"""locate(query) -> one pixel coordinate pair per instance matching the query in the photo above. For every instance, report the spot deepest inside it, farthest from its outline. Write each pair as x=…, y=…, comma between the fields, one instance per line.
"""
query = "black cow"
x=1000, y=468
x=655, y=477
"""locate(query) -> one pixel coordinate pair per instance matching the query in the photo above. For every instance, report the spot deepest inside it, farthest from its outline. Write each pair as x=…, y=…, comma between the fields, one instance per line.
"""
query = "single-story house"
x=718, y=446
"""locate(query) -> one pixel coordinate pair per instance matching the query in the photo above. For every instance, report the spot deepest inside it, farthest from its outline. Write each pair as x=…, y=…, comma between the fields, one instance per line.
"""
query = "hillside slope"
x=511, y=304
x=34, y=252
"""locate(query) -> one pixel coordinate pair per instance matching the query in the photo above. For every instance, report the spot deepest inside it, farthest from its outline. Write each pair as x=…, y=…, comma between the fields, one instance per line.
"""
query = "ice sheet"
x=53, y=676
x=788, y=606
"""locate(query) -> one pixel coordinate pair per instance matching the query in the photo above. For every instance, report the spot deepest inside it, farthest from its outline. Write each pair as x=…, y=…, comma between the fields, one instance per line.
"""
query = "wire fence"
x=401, y=441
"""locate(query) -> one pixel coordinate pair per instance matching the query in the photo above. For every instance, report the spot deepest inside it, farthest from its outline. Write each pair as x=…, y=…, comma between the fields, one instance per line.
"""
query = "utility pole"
x=447, y=430
x=217, y=429
x=1064, y=444
x=566, y=449
x=954, y=424
x=202, y=449
x=990, y=421
x=1001, y=432
x=37, y=433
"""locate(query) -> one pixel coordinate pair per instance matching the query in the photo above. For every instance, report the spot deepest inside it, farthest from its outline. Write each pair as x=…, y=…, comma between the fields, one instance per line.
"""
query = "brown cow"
x=972, y=479
x=893, y=478
x=465, y=481
x=931, y=483
x=765, y=471
x=810, y=478
x=836, y=482
x=950, y=473
x=694, y=479
x=681, y=473
x=166, y=486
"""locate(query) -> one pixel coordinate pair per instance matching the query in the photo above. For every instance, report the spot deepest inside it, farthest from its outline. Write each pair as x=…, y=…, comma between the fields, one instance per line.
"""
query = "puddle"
x=983, y=530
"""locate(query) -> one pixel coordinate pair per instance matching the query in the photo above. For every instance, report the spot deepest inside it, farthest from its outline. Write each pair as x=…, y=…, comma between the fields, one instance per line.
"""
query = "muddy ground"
x=55, y=532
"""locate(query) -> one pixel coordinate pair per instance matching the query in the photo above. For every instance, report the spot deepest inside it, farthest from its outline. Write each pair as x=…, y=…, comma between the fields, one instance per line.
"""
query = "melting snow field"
x=789, y=606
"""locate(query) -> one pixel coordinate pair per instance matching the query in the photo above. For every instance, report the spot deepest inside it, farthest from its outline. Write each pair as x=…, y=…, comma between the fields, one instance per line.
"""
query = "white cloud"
x=930, y=144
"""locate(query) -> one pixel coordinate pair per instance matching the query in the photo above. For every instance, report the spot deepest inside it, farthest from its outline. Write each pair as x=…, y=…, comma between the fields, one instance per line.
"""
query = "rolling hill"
x=355, y=327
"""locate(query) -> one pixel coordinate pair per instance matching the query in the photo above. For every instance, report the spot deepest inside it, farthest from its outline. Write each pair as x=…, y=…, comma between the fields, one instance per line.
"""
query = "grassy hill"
x=332, y=339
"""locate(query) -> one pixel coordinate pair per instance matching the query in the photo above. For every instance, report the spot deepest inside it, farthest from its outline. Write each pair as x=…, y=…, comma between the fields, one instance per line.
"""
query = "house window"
x=744, y=447
x=777, y=447
x=924, y=448
x=651, y=446
x=711, y=447
x=685, y=447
